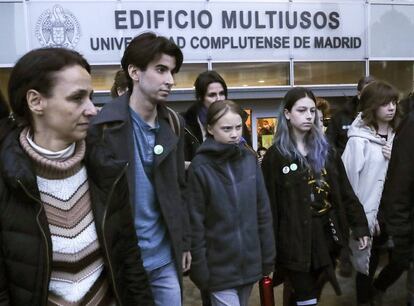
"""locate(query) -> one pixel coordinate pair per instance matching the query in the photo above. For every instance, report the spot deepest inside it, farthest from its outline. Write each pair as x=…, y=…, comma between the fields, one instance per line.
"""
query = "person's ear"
x=36, y=102
x=134, y=72
x=209, y=129
x=287, y=114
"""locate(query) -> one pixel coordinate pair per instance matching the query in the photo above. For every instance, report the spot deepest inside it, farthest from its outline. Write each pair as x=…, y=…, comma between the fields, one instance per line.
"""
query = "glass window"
x=318, y=73
x=188, y=74
x=253, y=74
x=266, y=128
x=398, y=73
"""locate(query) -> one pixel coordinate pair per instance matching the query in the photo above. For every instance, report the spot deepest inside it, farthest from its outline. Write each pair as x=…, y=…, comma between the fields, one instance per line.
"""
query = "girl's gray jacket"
x=232, y=240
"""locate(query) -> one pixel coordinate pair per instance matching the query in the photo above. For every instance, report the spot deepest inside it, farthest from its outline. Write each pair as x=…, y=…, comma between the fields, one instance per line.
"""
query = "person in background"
x=140, y=129
x=67, y=232
x=210, y=87
x=337, y=131
x=397, y=197
x=232, y=241
x=365, y=158
x=312, y=203
x=261, y=151
x=337, y=134
x=120, y=85
x=324, y=113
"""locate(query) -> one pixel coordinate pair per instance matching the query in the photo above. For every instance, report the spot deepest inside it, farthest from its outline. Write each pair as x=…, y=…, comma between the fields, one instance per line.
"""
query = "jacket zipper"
x=46, y=287
x=103, y=232
x=233, y=181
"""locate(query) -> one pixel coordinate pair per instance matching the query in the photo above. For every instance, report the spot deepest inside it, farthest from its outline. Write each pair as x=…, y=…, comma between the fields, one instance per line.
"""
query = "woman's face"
x=214, y=93
x=302, y=115
x=64, y=116
x=386, y=112
x=228, y=129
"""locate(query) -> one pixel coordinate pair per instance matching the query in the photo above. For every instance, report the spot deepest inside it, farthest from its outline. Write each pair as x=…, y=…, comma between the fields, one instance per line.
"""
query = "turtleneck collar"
x=59, y=155
x=53, y=165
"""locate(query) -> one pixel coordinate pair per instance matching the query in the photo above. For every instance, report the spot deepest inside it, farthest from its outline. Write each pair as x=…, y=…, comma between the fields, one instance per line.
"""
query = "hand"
x=186, y=261
x=363, y=242
x=386, y=150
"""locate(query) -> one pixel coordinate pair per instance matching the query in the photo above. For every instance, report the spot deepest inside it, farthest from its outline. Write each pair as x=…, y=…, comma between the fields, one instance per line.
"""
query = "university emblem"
x=58, y=28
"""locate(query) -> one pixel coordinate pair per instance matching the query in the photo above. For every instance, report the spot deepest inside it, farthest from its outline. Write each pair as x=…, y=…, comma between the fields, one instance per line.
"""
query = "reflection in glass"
x=398, y=73
x=253, y=74
x=318, y=73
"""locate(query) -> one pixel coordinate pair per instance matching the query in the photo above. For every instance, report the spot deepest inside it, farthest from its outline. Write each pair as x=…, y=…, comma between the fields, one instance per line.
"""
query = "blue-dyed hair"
x=315, y=141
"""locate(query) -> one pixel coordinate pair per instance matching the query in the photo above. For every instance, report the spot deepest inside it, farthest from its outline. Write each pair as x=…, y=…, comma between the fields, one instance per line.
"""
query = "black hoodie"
x=232, y=236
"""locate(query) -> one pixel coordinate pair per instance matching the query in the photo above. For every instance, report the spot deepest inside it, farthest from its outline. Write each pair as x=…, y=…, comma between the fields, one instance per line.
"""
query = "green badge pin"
x=158, y=149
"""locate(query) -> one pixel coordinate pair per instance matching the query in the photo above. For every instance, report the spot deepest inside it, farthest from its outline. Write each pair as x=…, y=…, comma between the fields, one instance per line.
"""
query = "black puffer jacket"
x=398, y=194
x=232, y=241
x=26, y=246
x=290, y=199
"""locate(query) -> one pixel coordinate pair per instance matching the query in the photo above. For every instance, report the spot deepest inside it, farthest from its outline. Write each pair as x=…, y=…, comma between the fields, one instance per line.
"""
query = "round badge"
x=285, y=170
x=293, y=167
x=158, y=149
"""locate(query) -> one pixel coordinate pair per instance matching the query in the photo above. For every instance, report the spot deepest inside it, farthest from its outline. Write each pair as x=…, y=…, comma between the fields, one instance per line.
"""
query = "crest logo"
x=58, y=28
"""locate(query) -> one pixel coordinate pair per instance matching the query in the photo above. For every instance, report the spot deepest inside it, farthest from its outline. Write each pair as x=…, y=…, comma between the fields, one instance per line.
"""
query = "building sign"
x=212, y=30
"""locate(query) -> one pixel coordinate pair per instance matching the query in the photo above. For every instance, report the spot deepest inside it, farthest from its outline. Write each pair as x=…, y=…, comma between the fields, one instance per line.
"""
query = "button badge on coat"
x=158, y=149
x=293, y=167
x=285, y=170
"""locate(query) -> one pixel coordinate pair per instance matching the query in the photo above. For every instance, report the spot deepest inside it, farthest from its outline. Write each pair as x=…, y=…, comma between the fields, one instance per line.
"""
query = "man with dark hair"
x=209, y=87
x=398, y=194
x=337, y=134
x=337, y=131
x=139, y=128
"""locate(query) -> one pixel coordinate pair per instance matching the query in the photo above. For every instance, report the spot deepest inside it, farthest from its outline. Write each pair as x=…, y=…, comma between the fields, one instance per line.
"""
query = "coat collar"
x=116, y=115
x=16, y=166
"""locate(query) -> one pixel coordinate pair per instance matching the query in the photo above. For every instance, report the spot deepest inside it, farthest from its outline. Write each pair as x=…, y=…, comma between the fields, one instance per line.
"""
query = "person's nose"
x=169, y=79
x=90, y=109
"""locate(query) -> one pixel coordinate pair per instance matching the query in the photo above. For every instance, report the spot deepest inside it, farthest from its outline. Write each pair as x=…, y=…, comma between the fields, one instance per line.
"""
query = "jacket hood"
x=223, y=151
x=360, y=129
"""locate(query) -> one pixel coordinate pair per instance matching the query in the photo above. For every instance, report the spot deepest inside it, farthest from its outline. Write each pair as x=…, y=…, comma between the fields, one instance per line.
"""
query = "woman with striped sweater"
x=66, y=230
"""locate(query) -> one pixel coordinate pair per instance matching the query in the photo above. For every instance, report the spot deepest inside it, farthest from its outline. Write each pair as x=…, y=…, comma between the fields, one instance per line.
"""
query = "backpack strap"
x=174, y=121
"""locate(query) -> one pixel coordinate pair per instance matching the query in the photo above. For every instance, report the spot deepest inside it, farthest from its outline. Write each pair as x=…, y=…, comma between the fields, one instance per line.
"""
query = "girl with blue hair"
x=311, y=199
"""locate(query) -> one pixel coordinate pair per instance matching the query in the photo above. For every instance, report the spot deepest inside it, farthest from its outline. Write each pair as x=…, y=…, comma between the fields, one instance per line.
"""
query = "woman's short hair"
x=206, y=78
x=36, y=70
x=373, y=96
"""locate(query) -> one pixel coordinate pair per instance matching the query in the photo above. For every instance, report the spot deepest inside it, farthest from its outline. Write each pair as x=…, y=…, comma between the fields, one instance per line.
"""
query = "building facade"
x=261, y=48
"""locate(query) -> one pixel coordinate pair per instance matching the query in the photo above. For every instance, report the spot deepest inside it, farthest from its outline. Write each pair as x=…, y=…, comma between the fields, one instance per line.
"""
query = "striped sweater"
x=78, y=276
